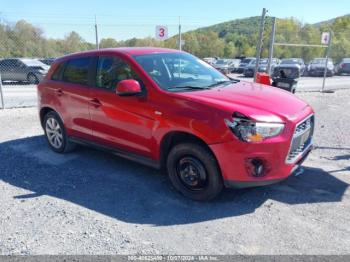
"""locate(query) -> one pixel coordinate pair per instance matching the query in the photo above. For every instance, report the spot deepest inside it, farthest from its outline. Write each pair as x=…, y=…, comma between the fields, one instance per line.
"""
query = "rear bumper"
x=319, y=72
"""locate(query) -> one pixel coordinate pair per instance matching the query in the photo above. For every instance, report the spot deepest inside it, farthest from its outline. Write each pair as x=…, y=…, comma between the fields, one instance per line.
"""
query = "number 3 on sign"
x=161, y=32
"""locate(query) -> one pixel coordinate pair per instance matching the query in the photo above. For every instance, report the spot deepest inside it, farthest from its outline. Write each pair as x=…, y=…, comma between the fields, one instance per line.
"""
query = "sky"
x=136, y=18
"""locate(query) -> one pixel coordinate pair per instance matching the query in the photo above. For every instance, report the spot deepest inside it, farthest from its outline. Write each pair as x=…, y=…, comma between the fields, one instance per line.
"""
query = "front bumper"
x=280, y=156
x=247, y=184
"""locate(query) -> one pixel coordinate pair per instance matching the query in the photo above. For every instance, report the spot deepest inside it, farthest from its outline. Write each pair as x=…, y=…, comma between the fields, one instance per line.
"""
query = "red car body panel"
x=138, y=124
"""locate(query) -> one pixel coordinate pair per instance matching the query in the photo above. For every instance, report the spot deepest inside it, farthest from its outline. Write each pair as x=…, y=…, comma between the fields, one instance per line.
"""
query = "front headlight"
x=248, y=130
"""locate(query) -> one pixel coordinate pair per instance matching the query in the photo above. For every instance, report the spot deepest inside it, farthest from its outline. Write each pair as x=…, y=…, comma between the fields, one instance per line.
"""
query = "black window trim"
x=94, y=74
x=60, y=76
x=89, y=82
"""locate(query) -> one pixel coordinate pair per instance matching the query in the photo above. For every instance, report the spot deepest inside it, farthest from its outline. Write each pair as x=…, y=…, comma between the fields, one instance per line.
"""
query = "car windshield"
x=290, y=61
x=180, y=71
x=33, y=62
x=263, y=61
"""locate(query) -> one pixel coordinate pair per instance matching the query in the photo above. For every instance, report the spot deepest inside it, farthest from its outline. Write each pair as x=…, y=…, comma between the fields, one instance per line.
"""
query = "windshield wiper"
x=188, y=87
x=225, y=82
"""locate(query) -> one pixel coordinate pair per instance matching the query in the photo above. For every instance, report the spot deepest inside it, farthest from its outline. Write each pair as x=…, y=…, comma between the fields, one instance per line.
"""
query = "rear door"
x=125, y=122
x=15, y=70
x=21, y=71
x=72, y=92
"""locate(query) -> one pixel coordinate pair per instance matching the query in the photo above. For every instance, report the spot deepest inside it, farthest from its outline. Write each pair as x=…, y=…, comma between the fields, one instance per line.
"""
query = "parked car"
x=250, y=68
x=343, y=67
x=317, y=67
x=206, y=130
x=210, y=60
x=225, y=66
x=47, y=61
x=22, y=69
x=244, y=63
x=293, y=63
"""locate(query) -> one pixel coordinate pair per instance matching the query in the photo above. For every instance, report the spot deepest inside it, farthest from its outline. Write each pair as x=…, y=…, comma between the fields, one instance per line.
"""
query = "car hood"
x=289, y=66
x=260, y=102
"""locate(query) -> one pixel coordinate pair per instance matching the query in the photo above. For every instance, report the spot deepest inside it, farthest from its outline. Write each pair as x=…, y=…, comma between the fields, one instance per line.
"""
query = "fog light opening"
x=256, y=167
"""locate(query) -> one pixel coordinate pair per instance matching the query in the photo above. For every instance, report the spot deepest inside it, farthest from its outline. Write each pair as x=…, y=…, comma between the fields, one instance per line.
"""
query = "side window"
x=10, y=62
x=18, y=63
x=57, y=74
x=111, y=70
x=77, y=71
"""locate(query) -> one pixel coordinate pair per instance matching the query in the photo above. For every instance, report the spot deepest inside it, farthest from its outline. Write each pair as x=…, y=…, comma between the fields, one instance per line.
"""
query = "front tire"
x=56, y=134
x=194, y=172
x=32, y=79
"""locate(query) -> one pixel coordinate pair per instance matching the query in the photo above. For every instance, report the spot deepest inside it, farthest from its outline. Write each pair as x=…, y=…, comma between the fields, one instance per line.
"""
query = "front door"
x=125, y=122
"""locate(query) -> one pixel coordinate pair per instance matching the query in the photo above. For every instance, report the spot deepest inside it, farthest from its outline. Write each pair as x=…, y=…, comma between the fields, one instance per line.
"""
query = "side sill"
x=124, y=154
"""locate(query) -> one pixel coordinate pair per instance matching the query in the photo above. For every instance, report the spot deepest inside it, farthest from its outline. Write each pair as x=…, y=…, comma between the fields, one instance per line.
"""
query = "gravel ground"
x=90, y=202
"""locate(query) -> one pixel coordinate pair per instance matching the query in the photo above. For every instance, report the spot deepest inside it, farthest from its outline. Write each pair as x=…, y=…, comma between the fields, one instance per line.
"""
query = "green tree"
x=108, y=42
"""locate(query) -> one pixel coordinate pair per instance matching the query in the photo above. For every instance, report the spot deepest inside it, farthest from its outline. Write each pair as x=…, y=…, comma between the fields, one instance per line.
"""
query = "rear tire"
x=194, y=172
x=56, y=135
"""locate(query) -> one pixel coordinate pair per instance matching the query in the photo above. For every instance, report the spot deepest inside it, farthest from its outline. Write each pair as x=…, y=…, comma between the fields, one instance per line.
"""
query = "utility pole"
x=260, y=41
x=96, y=35
x=180, y=37
x=272, y=42
x=326, y=65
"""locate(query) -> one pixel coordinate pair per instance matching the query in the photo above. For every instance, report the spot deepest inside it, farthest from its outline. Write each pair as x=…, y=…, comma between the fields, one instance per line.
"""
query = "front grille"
x=302, y=139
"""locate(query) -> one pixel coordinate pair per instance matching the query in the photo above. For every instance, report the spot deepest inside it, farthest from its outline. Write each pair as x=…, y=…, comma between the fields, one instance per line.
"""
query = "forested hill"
x=244, y=26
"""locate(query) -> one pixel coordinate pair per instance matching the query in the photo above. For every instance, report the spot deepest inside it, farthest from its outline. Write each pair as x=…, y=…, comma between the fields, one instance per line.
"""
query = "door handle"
x=59, y=92
x=95, y=103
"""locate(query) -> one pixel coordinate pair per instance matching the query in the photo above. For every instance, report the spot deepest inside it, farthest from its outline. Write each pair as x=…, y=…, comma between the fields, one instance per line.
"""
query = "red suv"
x=166, y=108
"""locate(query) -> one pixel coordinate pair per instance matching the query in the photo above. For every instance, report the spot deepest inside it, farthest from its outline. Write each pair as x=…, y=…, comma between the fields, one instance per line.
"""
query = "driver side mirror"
x=128, y=87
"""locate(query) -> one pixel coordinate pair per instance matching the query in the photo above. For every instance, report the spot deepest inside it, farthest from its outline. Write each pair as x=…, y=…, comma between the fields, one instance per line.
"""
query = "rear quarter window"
x=57, y=74
x=77, y=71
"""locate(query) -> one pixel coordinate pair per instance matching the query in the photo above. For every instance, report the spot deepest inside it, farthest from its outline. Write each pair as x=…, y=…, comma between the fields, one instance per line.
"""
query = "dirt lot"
x=89, y=202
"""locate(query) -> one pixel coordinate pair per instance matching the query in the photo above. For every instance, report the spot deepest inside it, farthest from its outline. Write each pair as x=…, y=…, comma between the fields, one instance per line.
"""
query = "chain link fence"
x=26, y=52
